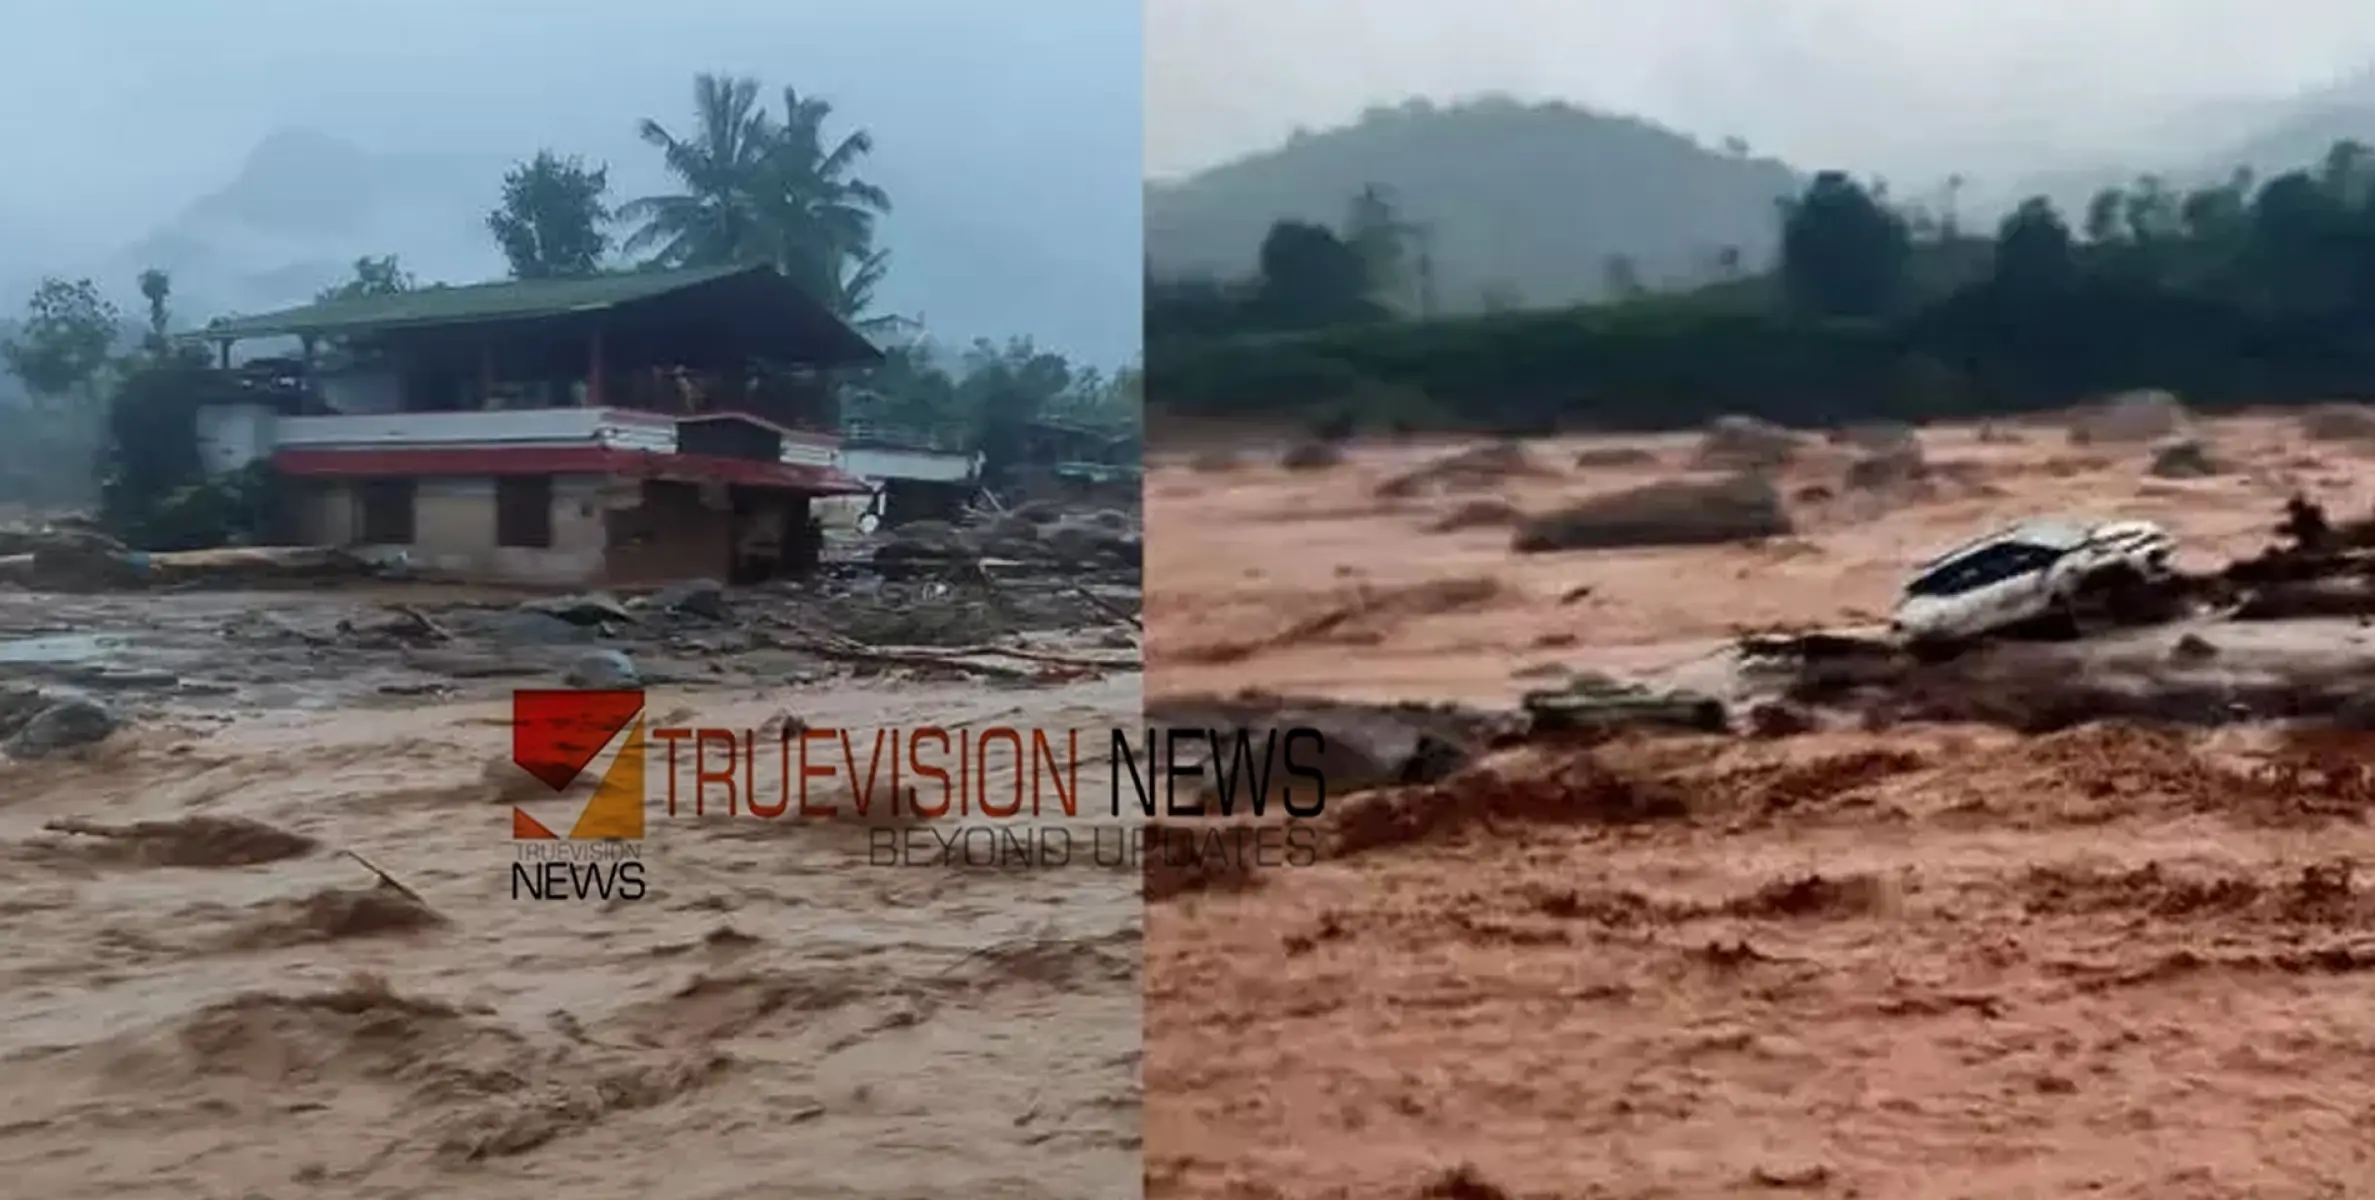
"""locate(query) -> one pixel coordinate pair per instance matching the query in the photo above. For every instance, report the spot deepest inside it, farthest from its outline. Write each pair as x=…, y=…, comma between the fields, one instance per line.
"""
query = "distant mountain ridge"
x=1530, y=201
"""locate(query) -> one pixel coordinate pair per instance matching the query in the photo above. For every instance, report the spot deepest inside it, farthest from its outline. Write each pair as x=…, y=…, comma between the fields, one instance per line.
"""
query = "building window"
x=524, y=511
x=387, y=507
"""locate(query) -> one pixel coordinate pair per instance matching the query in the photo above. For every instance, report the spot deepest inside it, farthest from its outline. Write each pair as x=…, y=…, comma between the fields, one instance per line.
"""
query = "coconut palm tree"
x=852, y=297
x=820, y=215
x=716, y=218
x=756, y=189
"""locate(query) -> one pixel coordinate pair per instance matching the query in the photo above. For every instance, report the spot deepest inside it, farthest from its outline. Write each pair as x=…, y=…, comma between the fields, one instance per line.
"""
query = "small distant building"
x=603, y=429
x=916, y=474
x=1082, y=463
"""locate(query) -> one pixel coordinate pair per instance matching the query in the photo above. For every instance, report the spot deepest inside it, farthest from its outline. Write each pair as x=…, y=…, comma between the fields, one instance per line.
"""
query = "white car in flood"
x=2029, y=574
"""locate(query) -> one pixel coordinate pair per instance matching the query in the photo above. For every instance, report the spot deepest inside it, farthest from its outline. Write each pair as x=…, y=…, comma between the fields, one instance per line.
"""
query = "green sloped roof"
x=759, y=300
x=509, y=300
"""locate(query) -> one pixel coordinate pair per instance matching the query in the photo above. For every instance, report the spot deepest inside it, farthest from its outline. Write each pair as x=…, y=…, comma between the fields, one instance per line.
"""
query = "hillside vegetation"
x=1509, y=204
x=2246, y=290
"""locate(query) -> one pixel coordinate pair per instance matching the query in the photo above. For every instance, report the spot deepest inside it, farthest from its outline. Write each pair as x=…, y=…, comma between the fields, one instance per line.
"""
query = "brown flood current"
x=206, y=996
x=1927, y=961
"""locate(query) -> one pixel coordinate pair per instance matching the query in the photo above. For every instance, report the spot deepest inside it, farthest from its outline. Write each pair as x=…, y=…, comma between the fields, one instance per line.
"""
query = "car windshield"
x=1981, y=567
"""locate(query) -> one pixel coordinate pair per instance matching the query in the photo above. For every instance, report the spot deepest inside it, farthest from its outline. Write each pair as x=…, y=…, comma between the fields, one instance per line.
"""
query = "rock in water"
x=2184, y=459
x=65, y=725
x=604, y=669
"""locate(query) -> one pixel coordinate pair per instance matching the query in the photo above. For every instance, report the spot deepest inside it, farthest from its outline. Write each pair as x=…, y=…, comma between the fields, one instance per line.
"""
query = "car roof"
x=2053, y=533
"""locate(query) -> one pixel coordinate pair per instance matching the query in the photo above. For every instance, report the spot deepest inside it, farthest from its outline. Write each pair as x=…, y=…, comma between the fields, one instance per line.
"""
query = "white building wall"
x=230, y=436
x=614, y=428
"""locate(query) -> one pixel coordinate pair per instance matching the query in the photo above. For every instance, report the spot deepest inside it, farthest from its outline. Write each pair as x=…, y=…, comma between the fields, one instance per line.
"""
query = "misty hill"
x=302, y=206
x=2299, y=133
x=298, y=212
x=1526, y=201
x=2204, y=145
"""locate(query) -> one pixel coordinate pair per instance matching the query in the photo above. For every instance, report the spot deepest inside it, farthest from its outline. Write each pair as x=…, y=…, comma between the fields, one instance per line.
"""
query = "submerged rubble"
x=1041, y=592
x=1597, y=704
x=157, y=627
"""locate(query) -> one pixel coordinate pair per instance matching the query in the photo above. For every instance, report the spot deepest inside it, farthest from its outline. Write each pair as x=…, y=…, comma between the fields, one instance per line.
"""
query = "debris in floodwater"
x=191, y=841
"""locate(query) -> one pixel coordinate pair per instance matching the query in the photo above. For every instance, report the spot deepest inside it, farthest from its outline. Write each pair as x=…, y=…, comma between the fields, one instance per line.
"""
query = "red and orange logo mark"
x=556, y=735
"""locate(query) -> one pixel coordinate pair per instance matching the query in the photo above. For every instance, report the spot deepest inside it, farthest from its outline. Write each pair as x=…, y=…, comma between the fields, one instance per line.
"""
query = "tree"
x=714, y=219
x=756, y=189
x=1310, y=278
x=553, y=217
x=156, y=287
x=852, y=297
x=2298, y=250
x=2218, y=214
x=908, y=391
x=63, y=352
x=2151, y=211
x=2102, y=216
x=2348, y=172
x=372, y=277
x=1621, y=276
x=820, y=216
x=1374, y=228
x=67, y=340
x=1843, y=252
x=2034, y=250
x=1006, y=388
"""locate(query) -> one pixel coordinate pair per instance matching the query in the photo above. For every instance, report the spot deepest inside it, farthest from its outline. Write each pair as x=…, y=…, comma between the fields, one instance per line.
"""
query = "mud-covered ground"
x=1923, y=959
x=205, y=995
x=389, y=644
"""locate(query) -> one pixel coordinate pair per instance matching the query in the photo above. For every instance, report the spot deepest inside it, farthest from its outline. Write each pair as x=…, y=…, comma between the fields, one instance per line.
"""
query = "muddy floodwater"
x=1911, y=960
x=210, y=990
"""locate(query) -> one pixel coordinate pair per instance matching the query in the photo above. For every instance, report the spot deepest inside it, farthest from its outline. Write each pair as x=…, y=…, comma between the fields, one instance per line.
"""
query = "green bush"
x=233, y=509
x=1636, y=366
x=155, y=493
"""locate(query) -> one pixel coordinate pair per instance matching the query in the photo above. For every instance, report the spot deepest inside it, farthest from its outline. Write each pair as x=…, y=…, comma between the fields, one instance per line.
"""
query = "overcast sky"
x=1011, y=127
x=1903, y=87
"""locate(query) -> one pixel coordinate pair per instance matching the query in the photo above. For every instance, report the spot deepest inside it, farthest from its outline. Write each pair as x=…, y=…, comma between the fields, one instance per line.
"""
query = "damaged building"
x=614, y=429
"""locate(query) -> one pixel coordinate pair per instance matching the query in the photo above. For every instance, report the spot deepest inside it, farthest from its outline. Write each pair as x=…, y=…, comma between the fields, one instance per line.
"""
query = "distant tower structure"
x=1422, y=235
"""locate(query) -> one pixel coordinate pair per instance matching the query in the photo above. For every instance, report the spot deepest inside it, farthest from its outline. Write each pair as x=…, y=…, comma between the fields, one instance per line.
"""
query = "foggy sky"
x=993, y=131
x=1908, y=88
